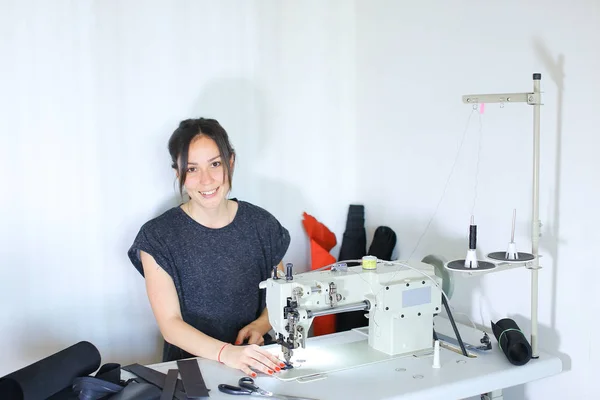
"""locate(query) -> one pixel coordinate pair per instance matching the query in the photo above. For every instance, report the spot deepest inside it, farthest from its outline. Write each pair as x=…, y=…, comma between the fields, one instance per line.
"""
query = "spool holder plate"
x=501, y=256
x=459, y=265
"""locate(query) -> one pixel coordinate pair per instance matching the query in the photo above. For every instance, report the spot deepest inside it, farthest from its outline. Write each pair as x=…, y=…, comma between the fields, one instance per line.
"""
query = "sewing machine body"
x=399, y=302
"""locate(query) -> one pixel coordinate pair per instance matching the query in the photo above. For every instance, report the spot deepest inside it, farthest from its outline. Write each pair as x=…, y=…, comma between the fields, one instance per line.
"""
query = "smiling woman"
x=204, y=259
x=203, y=159
x=216, y=144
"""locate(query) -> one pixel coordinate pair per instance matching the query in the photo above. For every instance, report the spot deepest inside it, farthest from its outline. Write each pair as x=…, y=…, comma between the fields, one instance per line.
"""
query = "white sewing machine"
x=399, y=299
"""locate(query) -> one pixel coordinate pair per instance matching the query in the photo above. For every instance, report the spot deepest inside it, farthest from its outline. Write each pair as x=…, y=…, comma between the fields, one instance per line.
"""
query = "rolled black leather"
x=512, y=341
x=46, y=377
x=354, y=240
x=383, y=244
x=353, y=247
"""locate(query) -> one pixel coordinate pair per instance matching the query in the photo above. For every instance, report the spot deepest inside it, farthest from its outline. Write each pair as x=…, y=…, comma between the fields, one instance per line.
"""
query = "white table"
x=403, y=378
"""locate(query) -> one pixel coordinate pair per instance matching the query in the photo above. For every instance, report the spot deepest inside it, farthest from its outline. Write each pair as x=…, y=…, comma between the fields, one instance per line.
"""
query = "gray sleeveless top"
x=216, y=271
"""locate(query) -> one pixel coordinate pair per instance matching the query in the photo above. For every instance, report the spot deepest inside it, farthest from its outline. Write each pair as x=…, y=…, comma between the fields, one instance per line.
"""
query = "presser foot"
x=288, y=365
x=287, y=356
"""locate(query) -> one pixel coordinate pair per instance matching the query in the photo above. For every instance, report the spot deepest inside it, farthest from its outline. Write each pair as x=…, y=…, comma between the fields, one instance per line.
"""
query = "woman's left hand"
x=253, y=332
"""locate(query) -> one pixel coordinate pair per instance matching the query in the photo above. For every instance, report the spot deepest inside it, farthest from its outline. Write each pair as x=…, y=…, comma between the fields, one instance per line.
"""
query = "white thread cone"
x=511, y=253
x=436, y=354
x=471, y=259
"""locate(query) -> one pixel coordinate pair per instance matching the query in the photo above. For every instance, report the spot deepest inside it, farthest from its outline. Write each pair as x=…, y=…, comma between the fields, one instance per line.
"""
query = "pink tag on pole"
x=481, y=108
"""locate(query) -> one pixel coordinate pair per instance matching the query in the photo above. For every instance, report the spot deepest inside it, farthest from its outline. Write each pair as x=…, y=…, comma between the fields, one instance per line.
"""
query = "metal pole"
x=534, y=99
x=535, y=231
x=363, y=305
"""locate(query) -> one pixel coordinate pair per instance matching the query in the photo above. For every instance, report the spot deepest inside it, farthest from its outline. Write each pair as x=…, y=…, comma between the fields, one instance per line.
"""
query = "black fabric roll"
x=512, y=341
x=49, y=376
x=353, y=247
x=384, y=241
x=354, y=241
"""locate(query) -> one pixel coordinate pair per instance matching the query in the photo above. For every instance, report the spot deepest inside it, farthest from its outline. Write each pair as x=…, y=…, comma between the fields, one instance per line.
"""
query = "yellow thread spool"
x=369, y=262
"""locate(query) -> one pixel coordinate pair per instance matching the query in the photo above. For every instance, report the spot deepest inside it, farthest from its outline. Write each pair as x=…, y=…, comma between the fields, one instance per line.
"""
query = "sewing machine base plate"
x=318, y=361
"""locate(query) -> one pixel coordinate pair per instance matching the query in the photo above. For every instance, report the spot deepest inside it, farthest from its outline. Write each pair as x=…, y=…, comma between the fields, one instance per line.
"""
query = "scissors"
x=246, y=387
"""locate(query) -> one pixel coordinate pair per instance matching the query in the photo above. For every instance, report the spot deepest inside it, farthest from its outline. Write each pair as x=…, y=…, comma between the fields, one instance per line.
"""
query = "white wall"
x=90, y=94
x=413, y=65
x=371, y=90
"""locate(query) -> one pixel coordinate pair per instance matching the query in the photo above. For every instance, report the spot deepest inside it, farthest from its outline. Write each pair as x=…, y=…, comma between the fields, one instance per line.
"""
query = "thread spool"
x=369, y=262
x=470, y=262
x=472, y=237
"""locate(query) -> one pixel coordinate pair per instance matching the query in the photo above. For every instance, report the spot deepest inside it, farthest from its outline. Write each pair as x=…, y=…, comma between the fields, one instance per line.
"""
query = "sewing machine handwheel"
x=438, y=264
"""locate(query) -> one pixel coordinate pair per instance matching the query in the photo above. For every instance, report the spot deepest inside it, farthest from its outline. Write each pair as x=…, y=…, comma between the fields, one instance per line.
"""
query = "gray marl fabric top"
x=216, y=271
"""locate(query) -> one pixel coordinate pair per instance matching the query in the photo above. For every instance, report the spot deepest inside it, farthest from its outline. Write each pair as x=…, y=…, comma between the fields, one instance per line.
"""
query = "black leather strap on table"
x=156, y=378
x=137, y=391
x=193, y=382
x=170, y=382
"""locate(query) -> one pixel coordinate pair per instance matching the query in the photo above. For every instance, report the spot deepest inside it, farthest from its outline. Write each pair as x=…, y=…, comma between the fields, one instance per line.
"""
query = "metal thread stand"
x=534, y=99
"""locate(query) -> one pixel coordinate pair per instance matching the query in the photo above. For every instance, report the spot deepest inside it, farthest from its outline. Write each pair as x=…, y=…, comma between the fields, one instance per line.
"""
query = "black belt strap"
x=170, y=382
x=156, y=378
x=193, y=382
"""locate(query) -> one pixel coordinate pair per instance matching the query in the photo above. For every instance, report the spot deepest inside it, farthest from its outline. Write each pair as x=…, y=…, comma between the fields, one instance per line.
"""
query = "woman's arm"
x=166, y=308
x=254, y=331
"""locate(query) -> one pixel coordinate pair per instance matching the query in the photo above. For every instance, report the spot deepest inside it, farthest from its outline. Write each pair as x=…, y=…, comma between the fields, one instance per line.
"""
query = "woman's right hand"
x=250, y=356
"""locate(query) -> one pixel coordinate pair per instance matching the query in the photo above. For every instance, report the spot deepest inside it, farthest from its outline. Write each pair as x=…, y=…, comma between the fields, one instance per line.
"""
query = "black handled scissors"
x=246, y=387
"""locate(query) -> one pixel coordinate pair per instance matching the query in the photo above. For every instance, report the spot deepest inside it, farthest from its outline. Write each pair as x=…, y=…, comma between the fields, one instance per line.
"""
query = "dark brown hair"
x=179, y=145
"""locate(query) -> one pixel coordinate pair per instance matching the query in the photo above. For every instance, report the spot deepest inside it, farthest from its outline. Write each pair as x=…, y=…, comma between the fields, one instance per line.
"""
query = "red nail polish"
x=254, y=374
x=270, y=372
x=277, y=369
x=282, y=365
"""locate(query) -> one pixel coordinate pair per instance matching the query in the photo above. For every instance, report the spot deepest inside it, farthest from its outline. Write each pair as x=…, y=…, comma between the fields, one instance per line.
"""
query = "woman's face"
x=206, y=182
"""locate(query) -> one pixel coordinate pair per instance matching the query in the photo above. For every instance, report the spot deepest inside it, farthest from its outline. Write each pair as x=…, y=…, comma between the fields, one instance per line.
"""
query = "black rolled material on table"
x=52, y=374
x=512, y=341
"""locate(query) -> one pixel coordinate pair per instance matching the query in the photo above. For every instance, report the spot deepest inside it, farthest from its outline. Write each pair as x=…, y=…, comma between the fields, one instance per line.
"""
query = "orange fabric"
x=322, y=240
x=319, y=233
